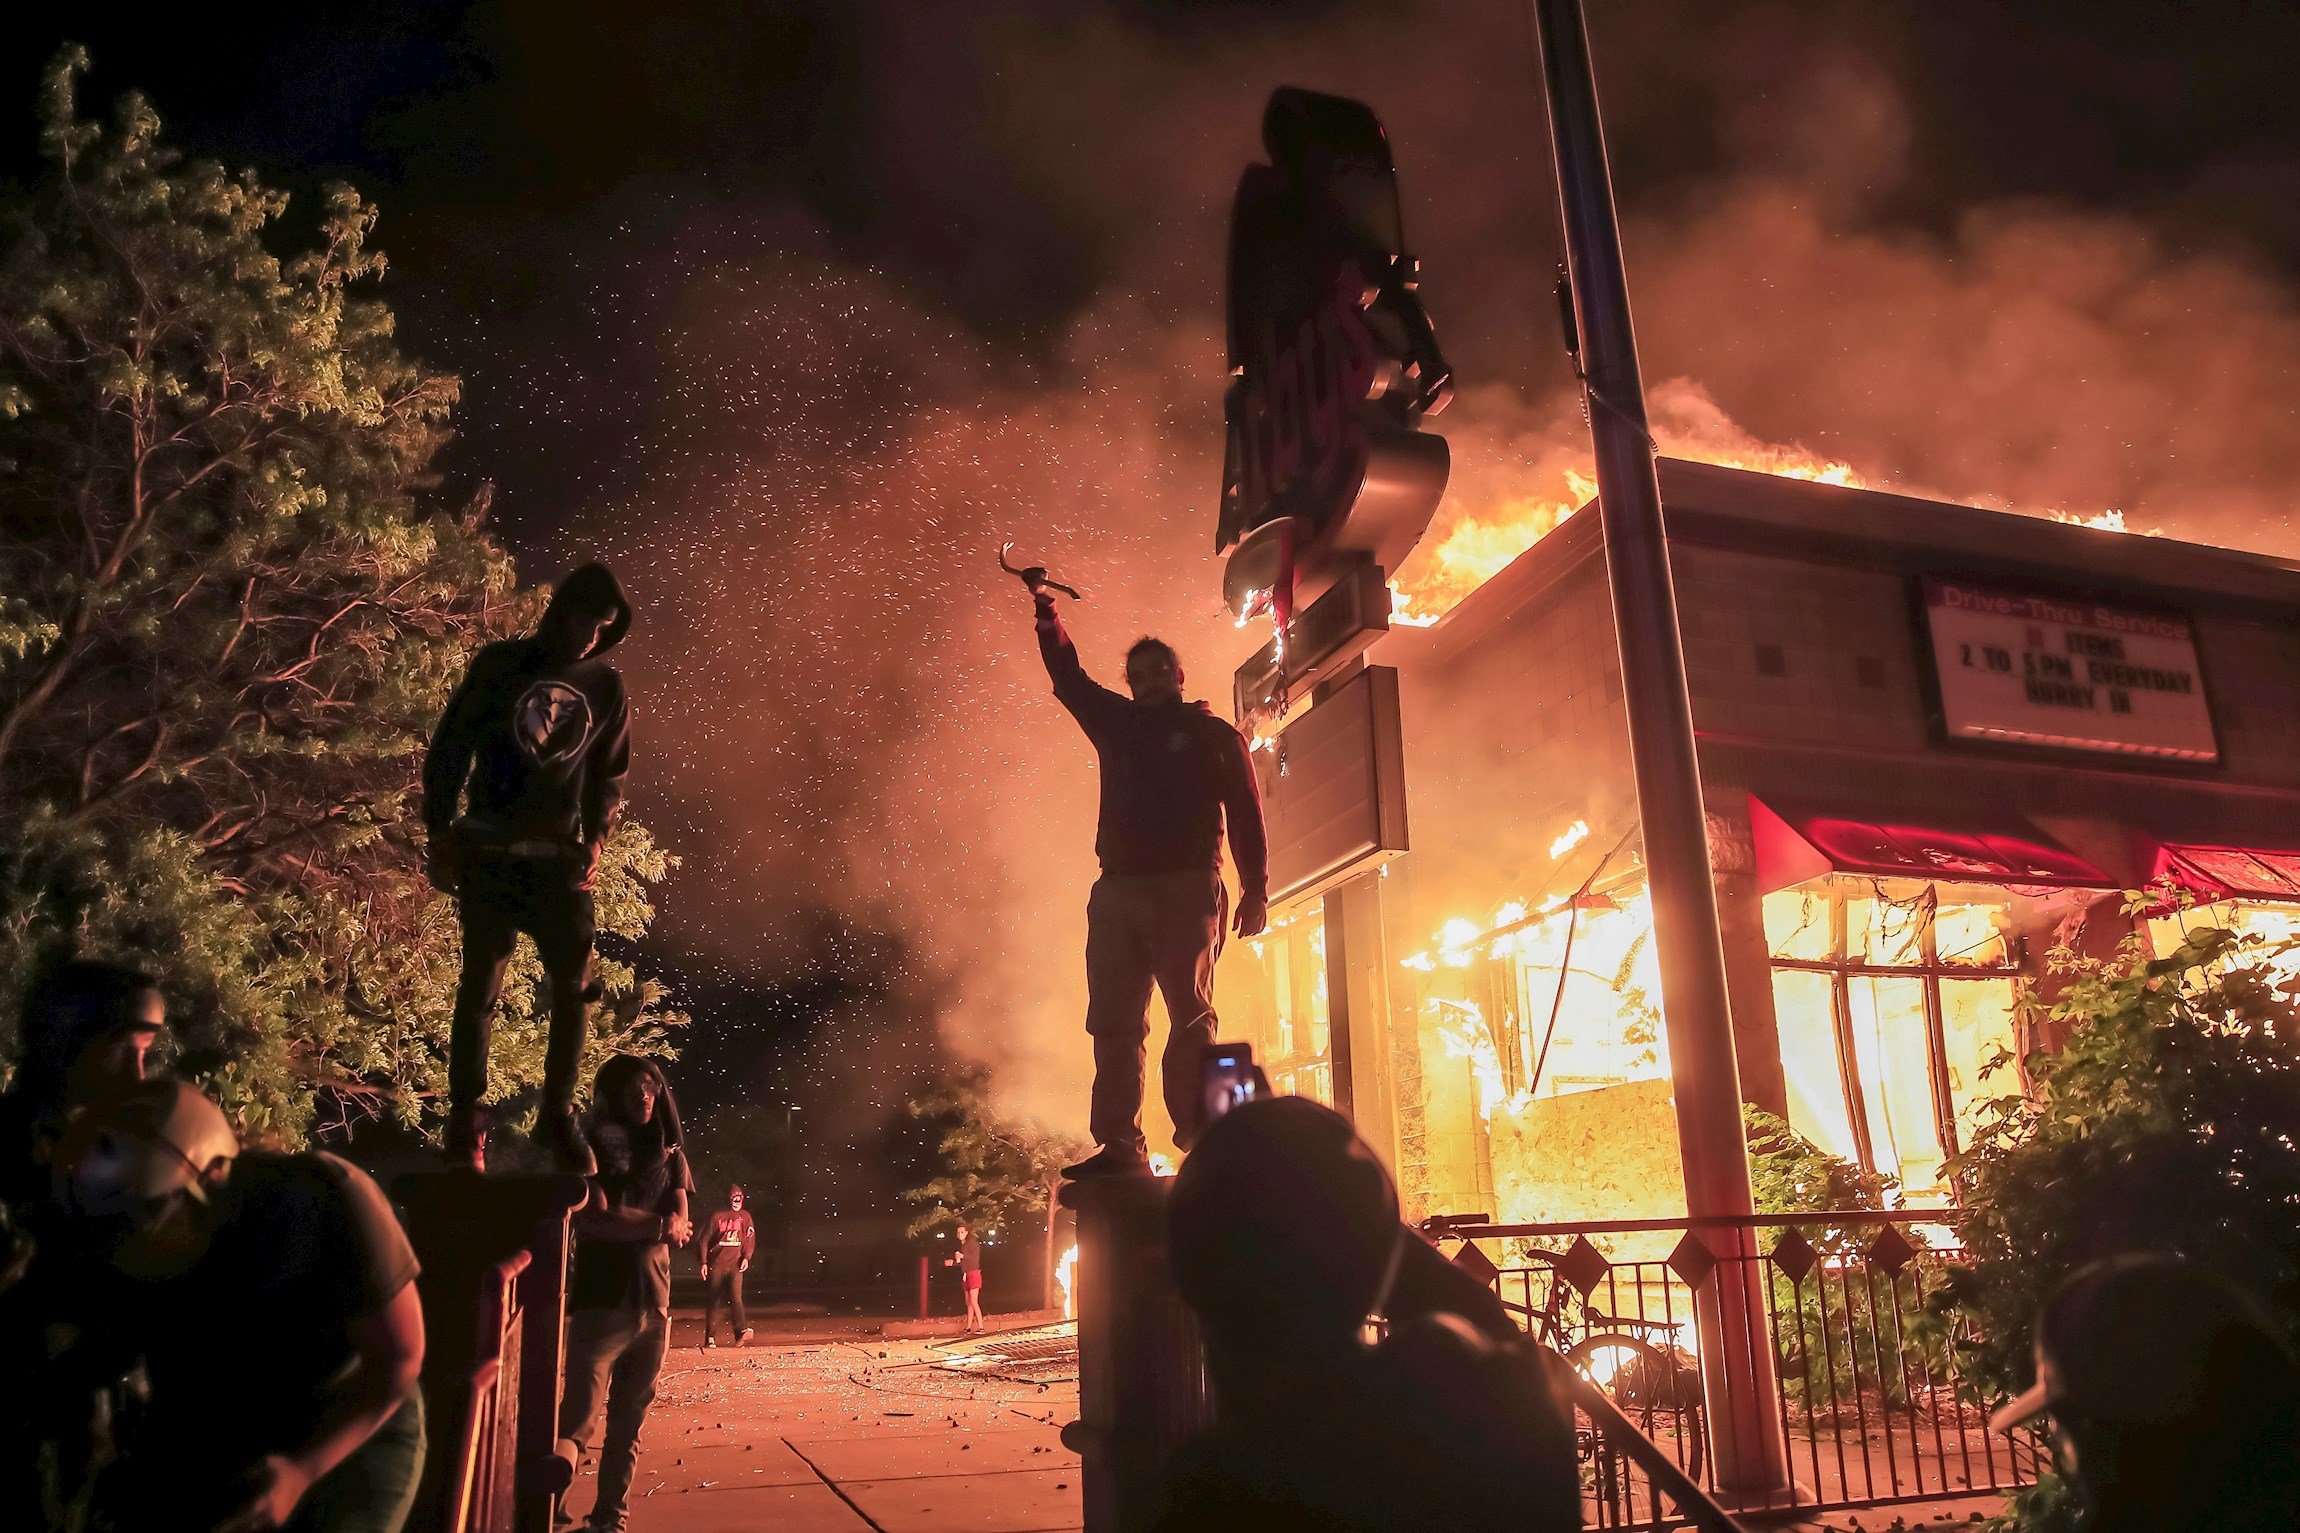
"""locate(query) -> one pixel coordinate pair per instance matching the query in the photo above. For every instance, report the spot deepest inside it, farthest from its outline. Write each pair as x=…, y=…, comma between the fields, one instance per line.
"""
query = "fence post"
x=463, y=1226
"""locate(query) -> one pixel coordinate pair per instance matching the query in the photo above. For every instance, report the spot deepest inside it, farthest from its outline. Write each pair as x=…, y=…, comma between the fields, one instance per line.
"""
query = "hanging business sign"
x=1333, y=362
x=2029, y=669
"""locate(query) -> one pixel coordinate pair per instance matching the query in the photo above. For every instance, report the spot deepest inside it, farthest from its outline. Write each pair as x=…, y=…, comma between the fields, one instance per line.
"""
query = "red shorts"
x=973, y=1281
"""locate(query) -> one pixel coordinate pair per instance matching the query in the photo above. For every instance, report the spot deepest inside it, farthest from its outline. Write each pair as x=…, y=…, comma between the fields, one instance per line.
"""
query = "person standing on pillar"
x=727, y=1244
x=1173, y=776
x=539, y=734
x=619, y=1291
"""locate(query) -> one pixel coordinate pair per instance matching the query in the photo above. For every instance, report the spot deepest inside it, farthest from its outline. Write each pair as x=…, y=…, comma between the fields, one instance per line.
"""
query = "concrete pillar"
x=1142, y=1388
x=1357, y=1010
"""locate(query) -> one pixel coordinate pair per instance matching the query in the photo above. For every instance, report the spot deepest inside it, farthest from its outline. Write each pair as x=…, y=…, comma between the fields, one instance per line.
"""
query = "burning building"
x=1935, y=743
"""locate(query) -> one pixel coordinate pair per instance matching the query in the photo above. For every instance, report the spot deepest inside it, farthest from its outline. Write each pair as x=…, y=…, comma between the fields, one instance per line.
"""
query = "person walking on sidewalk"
x=1174, y=776
x=726, y=1250
x=539, y=733
x=619, y=1295
x=968, y=1260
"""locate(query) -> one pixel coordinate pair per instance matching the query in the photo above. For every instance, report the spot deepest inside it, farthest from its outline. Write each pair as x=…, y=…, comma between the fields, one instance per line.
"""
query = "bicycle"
x=1635, y=1361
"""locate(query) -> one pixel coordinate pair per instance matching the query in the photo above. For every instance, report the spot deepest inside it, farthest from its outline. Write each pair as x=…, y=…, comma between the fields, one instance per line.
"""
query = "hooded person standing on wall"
x=522, y=784
x=1174, y=776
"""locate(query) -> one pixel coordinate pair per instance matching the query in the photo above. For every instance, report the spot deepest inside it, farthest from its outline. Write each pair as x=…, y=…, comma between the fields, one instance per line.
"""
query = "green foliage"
x=2168, y=1121
x=997, y=1174
x=1792, y=1175
x=226, y=626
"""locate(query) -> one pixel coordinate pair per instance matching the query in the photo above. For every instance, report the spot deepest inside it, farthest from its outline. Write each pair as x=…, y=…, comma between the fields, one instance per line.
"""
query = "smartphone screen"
x=1229, y=1077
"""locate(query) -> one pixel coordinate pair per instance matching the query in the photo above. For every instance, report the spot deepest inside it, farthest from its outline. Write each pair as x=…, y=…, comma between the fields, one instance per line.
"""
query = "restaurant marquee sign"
x=2030, y=669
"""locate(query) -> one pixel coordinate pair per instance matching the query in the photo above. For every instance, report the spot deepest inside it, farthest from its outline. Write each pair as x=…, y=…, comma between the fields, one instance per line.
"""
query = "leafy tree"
x=226, y=625
x=2169, y=1121
x=997, y=1174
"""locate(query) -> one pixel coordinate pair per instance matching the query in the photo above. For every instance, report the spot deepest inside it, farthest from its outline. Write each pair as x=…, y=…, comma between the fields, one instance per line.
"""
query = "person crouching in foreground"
x=274, y=1299
x=1283, y=1235
x=86, y=1032
x=619, y=1298
x=1173, y=775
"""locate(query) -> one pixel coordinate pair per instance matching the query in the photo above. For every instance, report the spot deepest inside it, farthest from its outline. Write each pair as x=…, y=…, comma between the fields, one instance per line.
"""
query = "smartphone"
x=1230, y=1076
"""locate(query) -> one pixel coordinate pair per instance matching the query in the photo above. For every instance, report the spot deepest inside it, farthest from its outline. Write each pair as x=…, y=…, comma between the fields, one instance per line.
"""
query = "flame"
x=1575, y=834
x=1474, y=543
x=1161, y=1165
x=1066, y=1278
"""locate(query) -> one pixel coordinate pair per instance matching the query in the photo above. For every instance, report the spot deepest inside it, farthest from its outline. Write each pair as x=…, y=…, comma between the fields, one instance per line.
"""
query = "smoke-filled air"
x=821, y=445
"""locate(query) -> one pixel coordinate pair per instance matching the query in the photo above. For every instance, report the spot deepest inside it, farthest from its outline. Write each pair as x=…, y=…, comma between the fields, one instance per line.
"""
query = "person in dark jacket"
x=1174, y=776
x=1283, y=1236
x=727, y=1244
x=619, y=1289
x=522, y=784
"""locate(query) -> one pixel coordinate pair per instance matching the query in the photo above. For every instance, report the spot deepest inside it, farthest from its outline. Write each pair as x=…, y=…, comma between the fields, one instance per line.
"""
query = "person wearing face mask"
x=87, y=1030
x=1174, y=778
x=521, y=785
x=273, y=1301
x=619, y=1295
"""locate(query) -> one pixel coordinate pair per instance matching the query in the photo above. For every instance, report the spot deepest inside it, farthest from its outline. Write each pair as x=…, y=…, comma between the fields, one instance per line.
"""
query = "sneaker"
x=562, y=1134
x=466, y=1140
x=744, y=1340
x=709, y=1342
x=1108, y=1161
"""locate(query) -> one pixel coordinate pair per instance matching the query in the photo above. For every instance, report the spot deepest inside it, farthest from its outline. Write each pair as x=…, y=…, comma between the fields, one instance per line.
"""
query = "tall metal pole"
x=1736, y=1352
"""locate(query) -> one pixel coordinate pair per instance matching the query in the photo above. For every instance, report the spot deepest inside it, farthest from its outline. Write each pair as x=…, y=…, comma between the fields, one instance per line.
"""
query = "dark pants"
x=373, y=1490
x=613, y=1357
x=1145, y=930
x=500, y=897
x=726, y=1287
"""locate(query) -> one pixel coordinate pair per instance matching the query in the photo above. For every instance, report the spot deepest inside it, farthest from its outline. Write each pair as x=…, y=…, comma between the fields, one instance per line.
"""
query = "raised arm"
x=1089, y=702
x=1249, y=839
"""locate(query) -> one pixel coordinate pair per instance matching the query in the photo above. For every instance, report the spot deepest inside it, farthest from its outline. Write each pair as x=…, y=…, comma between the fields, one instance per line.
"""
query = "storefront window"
x=1892, y=997
x=2247, y=918
x=1284, y=1012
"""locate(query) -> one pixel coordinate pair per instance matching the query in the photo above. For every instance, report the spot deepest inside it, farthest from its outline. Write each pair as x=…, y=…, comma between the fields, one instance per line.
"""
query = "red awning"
x=1794, y=844
x=2229, y=872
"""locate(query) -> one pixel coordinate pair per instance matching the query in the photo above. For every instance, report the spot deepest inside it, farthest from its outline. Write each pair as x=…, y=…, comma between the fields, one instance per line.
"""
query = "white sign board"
x=2049, y=670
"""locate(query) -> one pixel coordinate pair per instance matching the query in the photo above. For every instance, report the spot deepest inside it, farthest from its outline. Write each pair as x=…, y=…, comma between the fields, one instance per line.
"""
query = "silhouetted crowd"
x=199, y=1336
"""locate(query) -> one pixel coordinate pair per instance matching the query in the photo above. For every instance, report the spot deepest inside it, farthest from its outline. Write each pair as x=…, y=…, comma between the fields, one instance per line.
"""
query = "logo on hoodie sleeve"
x=552, y=723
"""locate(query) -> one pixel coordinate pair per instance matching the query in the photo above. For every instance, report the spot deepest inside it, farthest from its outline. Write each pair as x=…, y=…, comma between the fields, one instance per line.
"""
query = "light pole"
x=1736, y=1353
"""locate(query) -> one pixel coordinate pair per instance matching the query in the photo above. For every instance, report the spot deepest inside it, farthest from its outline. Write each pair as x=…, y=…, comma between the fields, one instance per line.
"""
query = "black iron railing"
x=479, y=1487
x=1869, y=1401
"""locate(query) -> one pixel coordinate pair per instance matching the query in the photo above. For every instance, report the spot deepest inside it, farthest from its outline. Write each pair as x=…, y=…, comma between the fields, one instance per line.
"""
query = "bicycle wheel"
x=1646, y=1382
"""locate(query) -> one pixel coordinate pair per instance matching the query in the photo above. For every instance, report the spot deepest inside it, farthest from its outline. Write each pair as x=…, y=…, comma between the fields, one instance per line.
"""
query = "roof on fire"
x=1709, y=506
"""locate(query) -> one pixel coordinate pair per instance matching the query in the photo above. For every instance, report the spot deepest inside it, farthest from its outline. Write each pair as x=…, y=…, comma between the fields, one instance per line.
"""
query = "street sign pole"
x=1736, y=1353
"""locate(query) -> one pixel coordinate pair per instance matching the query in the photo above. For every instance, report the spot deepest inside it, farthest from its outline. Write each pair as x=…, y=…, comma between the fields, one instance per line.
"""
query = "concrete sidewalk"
x=823, y=1433
x=822, y=1426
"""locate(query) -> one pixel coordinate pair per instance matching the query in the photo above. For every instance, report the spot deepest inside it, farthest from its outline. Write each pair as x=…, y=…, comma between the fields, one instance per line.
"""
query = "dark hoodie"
x=1171, y=774
x=542, y=742
x=642, y=1170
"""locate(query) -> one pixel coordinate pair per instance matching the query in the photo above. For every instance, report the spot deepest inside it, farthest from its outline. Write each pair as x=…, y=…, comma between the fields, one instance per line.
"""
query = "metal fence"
x=1869, y=1402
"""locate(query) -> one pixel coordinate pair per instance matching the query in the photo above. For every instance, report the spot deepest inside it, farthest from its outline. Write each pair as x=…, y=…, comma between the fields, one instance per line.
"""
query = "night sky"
x=795, y=311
